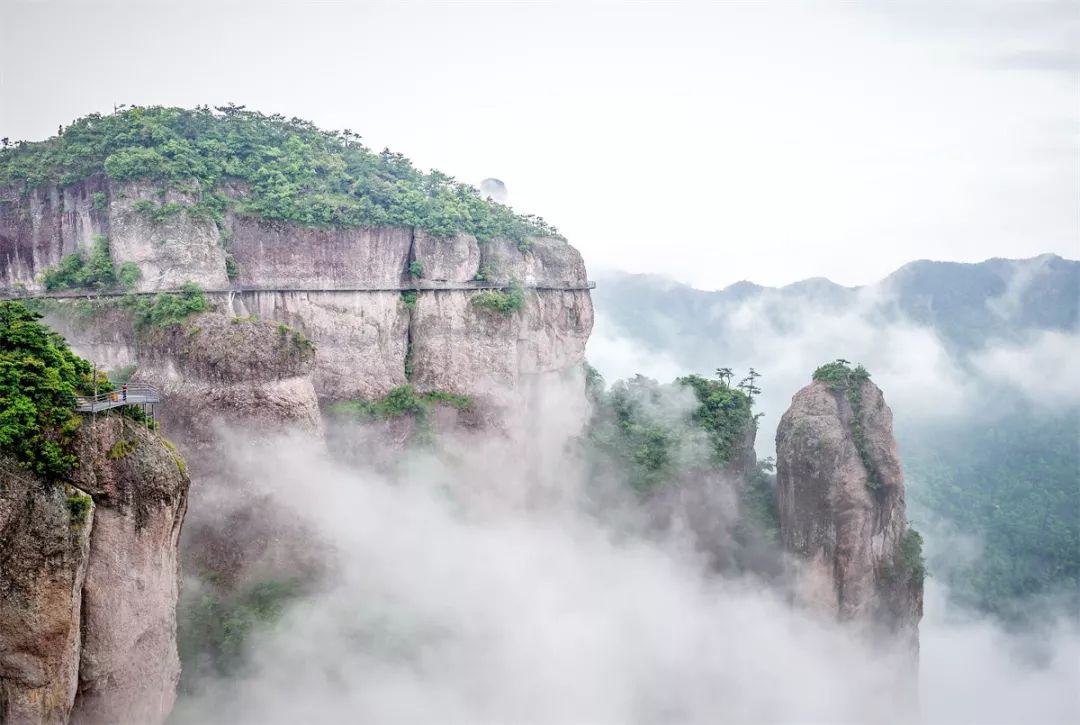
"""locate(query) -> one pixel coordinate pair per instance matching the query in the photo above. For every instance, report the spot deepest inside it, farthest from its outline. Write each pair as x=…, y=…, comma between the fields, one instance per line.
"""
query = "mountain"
x=978, y=362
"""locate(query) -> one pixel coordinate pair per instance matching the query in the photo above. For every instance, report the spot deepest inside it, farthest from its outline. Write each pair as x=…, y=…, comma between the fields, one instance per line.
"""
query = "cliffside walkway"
x=418, y=286
x=135, y=395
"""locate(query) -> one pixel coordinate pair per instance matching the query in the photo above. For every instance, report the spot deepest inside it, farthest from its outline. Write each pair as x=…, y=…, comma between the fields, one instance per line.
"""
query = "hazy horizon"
x=691, y=139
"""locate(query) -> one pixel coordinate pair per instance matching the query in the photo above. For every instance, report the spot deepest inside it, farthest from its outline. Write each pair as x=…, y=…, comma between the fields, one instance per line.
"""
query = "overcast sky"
x=709, y=141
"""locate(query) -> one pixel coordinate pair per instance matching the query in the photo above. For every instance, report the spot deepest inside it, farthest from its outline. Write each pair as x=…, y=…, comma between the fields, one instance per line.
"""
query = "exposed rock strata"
x=231, y=371
x=88, y=596
x=317, y=274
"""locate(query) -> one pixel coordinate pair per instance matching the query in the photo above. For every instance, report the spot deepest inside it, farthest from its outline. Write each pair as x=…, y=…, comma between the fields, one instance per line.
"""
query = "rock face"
x=847, y=539
x=44, y=549
x=230, y=371
x=129, y=665
x=89, y=582
x=341, y=287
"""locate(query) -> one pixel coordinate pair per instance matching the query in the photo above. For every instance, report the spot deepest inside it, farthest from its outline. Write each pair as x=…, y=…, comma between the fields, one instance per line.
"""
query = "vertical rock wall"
x=89, y=582
x=339, y=286
x=129, y=665
x=44, y=550
x=845, y=537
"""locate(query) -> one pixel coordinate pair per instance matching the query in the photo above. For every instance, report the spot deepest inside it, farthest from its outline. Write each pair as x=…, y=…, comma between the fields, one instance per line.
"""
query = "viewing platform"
x=131, y=395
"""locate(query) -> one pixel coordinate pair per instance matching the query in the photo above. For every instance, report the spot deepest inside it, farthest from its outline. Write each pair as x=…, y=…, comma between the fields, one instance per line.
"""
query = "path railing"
x=131, y=395
x=417, y=285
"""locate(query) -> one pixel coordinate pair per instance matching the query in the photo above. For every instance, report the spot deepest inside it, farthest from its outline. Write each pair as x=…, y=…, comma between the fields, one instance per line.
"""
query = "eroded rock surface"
x=89, y=582
x=341, y=287
x=129, y=667
x=844, y=529
x=44, y=549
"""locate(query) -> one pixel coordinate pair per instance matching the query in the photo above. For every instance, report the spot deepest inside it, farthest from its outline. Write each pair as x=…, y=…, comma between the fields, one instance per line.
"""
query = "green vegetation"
x=505, y=301
x=486, y=273
x=416, y=268
x=168, y=308
x=1007, y=479
x=403, y=400
x=912, y=553
x=78, y=506
x=39, y=380
x=158, y=213
x=78, y=271
x=177, y=458
x=842, y=378
x=759, y=501
x=232, y=268
x=293, y=172
x=301, y=344
x=409, y=356
x=128, y=275
x=409, y=298
x=653, y=433
x=101, y=200
x=215, y=623
x=120, y=449
x=723, y=412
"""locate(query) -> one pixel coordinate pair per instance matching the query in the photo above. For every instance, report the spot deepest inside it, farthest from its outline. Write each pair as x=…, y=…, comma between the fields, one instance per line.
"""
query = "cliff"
x=90, y=581
x=842, y=510
x=45, y=544
x=341, y=287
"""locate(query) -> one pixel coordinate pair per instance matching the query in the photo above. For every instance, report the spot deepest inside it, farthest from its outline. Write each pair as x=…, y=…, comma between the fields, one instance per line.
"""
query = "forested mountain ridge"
x=977, y=360
x=964, y=303
x=292, y=170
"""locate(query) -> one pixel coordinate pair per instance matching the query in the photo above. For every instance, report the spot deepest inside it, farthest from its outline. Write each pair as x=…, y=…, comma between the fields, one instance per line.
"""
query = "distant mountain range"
x=966, y=304
x=977, y=361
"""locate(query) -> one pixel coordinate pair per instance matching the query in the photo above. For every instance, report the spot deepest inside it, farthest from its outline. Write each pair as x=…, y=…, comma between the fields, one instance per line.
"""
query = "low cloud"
x=1043, y=369
x=785, y=337
x=460, y=591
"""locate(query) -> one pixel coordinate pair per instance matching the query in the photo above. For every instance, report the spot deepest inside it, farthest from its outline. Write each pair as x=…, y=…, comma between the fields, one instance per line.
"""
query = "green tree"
x=294, y=171
x=39, y=380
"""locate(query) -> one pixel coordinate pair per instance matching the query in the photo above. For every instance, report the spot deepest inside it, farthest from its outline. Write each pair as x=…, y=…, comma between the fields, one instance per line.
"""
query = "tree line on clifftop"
x=289, y=170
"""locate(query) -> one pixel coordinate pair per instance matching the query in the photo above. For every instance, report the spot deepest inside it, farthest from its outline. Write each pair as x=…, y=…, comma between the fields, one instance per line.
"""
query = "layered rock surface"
x=341, y=287
x=843, y=523
x=89, y=582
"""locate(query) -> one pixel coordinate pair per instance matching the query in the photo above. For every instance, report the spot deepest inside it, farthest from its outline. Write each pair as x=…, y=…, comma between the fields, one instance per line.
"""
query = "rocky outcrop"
x=340, y=287
x=89, y=582
x=226, y=370
x=129, y=667
x=44, y=549
x=843, y=519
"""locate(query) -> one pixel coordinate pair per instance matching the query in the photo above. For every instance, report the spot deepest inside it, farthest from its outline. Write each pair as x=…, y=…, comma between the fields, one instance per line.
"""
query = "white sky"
x=709, y=141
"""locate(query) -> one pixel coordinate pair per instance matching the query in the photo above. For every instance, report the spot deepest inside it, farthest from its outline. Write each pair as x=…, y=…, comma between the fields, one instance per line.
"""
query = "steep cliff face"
x=89, y=582
x=129, y=665
x=230, y=371
x=340, y=286
x=44, y=550
x=842, y=511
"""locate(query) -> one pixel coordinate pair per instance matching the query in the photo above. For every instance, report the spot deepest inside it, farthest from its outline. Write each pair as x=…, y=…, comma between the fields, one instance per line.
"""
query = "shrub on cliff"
x=506, y=301
x=840, y=377
x=39, y=379
x=168, y=308
x=294, y=171
x=403, y=400
x=84, y=271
